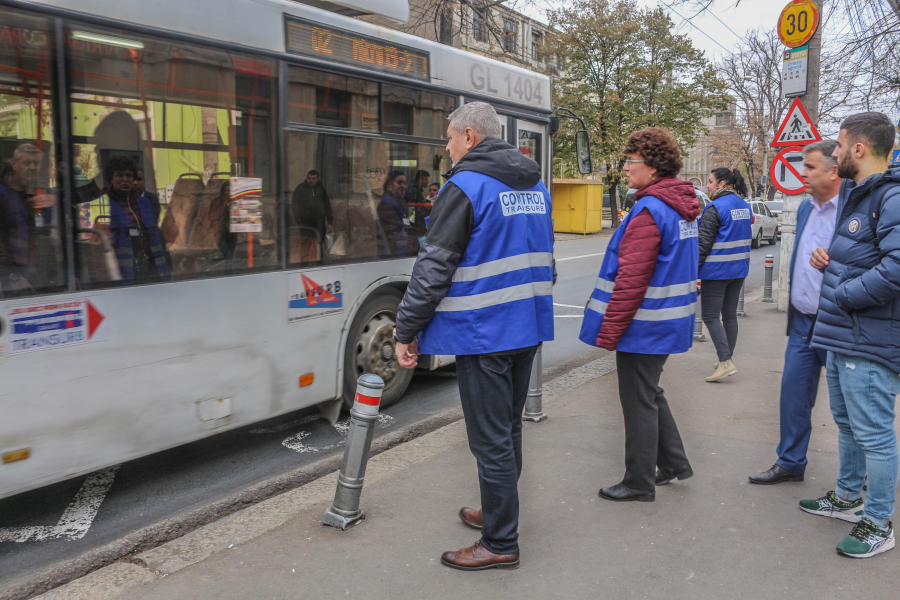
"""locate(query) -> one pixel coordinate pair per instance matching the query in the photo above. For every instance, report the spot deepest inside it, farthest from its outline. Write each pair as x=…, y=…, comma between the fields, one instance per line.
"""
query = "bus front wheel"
x=370, y=349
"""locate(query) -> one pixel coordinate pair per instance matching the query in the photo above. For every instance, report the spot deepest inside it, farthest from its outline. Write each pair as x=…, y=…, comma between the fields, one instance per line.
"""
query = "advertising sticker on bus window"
x=315, y=294
x=31, y=327
x=246, y=205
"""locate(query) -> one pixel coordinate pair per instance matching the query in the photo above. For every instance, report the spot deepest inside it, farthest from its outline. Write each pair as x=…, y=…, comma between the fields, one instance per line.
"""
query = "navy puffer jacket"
x=859, y=309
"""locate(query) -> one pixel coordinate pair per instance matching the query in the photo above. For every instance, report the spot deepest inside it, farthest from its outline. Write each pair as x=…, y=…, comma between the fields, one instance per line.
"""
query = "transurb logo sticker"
x=688, y=229
x=740, y=213
x=853, y=226
x=522, y=203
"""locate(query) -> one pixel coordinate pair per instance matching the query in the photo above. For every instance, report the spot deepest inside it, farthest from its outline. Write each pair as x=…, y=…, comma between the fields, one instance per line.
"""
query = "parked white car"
x=765, y=225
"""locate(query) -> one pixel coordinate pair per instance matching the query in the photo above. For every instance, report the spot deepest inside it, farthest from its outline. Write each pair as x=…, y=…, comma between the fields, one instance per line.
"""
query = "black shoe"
x=622, y=493
x=664, y=476
x=775, y=475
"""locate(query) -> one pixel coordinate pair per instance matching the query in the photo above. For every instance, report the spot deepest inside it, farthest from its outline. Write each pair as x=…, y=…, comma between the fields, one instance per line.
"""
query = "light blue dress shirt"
x=819, y=229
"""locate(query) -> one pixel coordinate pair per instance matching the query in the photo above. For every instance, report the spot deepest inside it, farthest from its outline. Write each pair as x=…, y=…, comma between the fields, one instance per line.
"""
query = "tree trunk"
x=613, y=204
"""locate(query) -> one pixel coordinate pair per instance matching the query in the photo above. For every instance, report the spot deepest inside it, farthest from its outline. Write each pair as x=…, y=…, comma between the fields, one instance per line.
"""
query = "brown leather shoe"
x=478, y=558
x=473, y=517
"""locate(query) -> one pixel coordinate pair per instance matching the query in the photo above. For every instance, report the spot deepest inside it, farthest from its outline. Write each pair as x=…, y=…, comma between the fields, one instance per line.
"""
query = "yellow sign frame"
x=798, y=22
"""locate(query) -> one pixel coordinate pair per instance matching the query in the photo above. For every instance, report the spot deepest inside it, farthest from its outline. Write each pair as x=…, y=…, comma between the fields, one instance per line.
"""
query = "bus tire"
x=370, y=348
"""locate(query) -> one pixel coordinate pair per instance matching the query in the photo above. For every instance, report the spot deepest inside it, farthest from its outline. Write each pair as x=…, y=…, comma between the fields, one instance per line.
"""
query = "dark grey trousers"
x=493, y=389
x=720, y=297
x=651, y=435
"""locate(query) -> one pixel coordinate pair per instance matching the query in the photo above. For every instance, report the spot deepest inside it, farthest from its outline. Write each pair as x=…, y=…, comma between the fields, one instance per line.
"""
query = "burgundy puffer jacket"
x=637, y=256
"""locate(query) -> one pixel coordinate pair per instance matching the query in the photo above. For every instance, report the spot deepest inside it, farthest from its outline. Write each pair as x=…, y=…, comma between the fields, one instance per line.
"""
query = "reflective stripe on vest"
x=729, y=257
x=500, y=295
x=664, y=323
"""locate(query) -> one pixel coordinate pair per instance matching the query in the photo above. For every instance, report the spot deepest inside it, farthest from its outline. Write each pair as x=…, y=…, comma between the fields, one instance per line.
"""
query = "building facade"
x=699, y=160
x=479, y=26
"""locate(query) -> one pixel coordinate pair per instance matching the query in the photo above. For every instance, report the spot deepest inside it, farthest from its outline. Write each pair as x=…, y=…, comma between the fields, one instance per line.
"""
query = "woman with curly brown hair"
x=643, y=308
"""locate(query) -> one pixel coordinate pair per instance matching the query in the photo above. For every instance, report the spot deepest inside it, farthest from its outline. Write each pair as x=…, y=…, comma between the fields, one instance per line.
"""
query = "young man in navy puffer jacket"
x=858, y=323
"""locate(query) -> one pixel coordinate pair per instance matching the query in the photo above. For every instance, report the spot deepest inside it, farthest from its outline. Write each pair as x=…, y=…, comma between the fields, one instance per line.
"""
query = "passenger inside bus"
x=311, y=207
x=392, y=225
x=134, y=229
x=415, y=196
x=24, y=210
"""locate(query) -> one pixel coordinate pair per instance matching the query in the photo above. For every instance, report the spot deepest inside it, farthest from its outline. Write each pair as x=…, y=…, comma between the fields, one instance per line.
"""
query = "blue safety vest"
x=500, y=297
x=119, y=226
x=664, y=323
x=400, y=238
x=730, y=254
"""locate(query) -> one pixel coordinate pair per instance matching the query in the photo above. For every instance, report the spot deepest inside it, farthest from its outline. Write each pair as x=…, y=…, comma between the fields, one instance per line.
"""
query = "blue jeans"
x=799, y=384
x=493, y=389
x=862, y=396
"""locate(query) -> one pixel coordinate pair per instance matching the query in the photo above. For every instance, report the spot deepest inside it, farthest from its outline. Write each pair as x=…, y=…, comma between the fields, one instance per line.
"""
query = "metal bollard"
x=534, y=411
x=740, y=308
x=770, y=267
x=345, y=512
x=698, y=323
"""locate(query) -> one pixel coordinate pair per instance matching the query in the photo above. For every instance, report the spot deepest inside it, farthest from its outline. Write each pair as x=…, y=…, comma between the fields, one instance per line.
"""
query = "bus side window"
x=356, y=179
x=175, y=145
x=31, y=258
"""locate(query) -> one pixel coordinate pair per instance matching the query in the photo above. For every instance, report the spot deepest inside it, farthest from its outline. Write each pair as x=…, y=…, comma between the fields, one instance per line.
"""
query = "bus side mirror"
x=583, y=152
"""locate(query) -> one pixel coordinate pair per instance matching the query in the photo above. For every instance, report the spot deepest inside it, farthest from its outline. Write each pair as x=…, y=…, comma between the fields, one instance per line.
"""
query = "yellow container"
x=577, y=206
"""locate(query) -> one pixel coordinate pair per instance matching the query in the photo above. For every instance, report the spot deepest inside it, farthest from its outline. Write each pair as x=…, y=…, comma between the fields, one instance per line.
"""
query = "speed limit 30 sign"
x=785, y=171
x=798, y=22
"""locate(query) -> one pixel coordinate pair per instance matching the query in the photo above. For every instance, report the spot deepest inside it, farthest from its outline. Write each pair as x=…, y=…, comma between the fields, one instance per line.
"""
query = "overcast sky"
x=706, y=31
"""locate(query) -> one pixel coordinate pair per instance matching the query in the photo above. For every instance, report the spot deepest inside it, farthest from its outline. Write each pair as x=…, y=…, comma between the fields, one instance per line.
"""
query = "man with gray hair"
x=23, y=211
x=482, y=289
x=802, y=364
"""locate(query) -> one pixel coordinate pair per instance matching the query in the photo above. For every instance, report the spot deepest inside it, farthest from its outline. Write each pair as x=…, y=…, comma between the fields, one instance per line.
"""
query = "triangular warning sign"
x=95, y=317
x=797, y=129
x=315, y=293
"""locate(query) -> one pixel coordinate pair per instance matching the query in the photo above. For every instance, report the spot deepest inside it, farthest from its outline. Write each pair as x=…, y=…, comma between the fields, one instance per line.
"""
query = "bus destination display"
x=322, y=41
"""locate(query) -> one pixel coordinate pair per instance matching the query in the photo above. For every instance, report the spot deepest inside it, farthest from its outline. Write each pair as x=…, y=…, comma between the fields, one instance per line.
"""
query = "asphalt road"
x=164, y=485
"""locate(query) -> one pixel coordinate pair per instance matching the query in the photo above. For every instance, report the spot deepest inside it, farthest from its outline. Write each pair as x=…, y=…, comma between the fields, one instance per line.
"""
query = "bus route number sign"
x=318, y=40
x=798, y=22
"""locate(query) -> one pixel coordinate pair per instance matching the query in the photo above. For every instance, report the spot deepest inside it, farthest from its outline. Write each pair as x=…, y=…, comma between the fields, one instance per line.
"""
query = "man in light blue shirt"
x=803, y=365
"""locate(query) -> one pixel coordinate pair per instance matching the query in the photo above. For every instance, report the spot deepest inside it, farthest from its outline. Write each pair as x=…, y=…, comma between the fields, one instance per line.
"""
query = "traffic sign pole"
x=811, y=103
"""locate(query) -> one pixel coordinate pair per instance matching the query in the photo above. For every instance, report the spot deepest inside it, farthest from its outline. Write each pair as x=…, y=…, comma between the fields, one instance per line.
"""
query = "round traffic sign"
x=785, y=171
x=798, y=22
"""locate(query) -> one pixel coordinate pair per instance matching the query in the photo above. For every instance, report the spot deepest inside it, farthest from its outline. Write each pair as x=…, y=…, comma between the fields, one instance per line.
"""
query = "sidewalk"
x=713, y=536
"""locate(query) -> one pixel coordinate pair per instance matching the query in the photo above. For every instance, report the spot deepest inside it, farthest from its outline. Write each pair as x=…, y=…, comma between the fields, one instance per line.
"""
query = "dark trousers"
x=799, y=383
x=651, y=436
x=493, y=389
x=720, y=297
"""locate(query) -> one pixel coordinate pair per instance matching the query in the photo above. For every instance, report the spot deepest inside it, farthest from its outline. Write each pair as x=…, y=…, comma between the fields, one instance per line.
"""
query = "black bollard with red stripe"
x=345, y=511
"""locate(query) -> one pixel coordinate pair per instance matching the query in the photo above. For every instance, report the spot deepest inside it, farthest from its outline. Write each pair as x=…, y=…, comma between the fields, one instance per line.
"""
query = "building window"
x=723, y=119
x=537, y=41
x=510, y=35
x=479, y=29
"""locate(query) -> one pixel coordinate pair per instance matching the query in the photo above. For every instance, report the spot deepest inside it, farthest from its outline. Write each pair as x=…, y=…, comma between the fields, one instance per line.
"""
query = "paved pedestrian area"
x=712, y=536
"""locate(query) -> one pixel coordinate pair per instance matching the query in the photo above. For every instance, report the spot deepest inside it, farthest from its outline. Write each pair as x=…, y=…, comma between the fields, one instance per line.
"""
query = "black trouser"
x=493, y=389
x=651, y=436
x=720, y=297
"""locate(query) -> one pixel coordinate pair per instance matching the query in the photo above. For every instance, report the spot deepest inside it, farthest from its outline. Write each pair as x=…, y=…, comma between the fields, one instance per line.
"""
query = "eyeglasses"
x=629, y=161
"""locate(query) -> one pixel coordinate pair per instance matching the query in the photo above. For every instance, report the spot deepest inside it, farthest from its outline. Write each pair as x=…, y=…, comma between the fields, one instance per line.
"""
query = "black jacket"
x=709, y=229
x=450, y=227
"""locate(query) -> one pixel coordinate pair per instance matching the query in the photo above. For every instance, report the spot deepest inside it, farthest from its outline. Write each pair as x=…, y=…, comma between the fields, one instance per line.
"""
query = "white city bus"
x=226, y=107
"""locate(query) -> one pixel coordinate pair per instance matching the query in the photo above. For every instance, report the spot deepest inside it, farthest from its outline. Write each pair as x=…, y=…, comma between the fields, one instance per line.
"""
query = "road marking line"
x=568, y=316
x=568, y=305
x=582, y=256
x=295, y=442
x=76, y=519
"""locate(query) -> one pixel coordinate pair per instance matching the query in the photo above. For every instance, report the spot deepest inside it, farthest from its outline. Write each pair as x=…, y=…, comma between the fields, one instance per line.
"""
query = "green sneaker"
x=867, y=539
x=830, y=505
